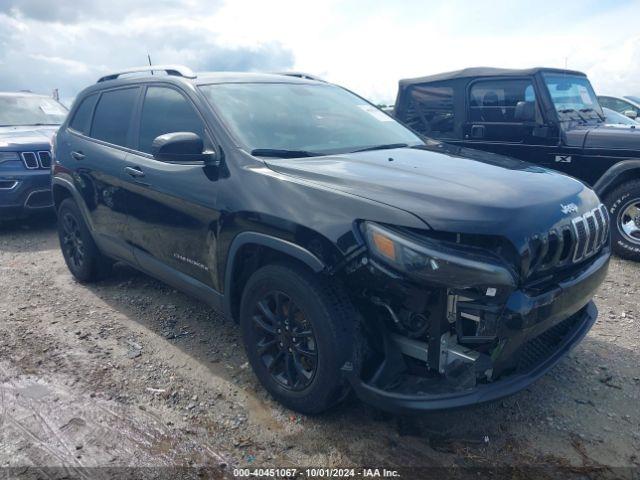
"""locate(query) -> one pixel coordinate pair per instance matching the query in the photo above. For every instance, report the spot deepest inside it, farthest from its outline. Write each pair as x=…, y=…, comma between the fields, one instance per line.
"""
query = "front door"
x=171, y=206
x=503, y=117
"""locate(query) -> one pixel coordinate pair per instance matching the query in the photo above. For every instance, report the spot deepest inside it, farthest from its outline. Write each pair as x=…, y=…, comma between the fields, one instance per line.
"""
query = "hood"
x=451, y=188
x=26, y=138
x=606, y=136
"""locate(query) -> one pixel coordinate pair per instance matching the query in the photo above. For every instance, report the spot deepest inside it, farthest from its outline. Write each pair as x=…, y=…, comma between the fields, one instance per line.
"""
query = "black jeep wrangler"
x=546, y=116
x=354, y=255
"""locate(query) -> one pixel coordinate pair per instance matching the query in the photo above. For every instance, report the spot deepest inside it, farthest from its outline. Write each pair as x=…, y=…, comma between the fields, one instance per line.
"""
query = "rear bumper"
x=564, y=314
x=24, y=193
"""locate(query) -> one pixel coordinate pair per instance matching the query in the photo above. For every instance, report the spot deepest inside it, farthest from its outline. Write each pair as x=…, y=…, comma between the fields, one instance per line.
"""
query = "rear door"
x=172, y=206
x=99, y=135
x=429, y=110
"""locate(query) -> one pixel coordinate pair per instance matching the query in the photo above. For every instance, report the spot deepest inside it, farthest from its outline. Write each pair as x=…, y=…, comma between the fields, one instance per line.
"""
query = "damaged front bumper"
x=536, y=330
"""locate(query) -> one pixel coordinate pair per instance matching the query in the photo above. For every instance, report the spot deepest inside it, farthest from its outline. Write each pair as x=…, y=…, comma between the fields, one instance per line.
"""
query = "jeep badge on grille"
x=569, y=208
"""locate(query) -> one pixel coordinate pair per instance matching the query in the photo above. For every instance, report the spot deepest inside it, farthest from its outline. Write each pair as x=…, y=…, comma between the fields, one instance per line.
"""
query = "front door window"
x=502, y=110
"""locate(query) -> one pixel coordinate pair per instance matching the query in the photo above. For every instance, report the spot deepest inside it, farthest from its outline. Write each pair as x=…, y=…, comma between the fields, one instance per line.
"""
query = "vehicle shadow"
x=29, y=234
x=549, y=421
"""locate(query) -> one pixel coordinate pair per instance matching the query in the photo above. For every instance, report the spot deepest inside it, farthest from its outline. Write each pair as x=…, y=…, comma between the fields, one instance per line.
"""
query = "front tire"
x=84, y=260
x=298, y=331
x=623, y=204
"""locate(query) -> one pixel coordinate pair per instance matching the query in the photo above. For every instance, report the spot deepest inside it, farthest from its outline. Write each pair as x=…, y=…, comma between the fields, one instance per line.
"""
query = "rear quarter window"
x=81, y=121
x=430, y=110
x=112, y=119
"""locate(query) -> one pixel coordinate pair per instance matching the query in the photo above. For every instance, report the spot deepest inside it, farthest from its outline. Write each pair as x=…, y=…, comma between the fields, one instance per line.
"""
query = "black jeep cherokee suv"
x=546, y=116
x=354, y=255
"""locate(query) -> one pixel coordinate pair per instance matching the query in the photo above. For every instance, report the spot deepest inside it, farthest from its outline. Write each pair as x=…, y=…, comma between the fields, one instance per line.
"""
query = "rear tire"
x=298, y=331
x=84, y=260
x=623, y=205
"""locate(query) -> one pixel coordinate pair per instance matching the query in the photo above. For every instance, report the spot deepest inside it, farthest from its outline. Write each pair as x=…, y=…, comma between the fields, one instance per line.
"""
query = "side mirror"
x=632, y=114
x=181, y=147
x=525, y=112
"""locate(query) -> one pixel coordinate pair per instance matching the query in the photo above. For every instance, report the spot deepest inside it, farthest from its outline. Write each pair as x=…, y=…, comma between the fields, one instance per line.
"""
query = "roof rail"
x=175, y=70
x=307, y=76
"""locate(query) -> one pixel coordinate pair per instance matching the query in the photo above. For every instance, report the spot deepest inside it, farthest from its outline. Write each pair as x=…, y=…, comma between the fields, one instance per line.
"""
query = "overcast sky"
x=364, y=45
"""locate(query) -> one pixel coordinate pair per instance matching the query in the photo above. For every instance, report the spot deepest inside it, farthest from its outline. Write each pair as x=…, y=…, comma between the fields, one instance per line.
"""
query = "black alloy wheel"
x=285, y=341
x=72, y=243
x=82, y=256
x=298, y=329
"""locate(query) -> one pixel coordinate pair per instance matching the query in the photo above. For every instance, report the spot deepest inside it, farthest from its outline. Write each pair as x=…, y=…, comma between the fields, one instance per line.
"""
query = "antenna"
x=150, y=64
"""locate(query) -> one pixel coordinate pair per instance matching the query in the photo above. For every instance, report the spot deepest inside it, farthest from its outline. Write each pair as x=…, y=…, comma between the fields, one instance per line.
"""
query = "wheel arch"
x=618, y=174
x=60, y=192
x=63, y=189
x=250, y=250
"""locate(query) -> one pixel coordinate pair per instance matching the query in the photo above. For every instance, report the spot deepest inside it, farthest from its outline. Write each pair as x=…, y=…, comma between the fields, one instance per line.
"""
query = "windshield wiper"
x=569, y=110
x=387, y=146
x=279, y=153
x=589, y=110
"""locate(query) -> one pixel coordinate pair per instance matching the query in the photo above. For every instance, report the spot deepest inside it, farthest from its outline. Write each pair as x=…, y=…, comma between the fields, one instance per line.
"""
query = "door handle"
x=78, y=155
x=477, y=131
x=134, y=172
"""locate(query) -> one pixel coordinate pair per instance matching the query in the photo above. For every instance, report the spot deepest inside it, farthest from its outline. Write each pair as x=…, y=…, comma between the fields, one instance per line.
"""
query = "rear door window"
x=166, y=110
x=112, y=119
x=82, y=118
x=430, y=110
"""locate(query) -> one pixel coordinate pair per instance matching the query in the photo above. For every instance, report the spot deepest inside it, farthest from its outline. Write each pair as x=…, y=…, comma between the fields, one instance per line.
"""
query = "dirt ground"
x=129, y=372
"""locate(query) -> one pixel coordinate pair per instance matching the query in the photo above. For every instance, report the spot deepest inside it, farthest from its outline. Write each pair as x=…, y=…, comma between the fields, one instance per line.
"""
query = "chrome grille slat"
x=607, y=223
x=597, y=214
x=593, y=232
x=582, y=234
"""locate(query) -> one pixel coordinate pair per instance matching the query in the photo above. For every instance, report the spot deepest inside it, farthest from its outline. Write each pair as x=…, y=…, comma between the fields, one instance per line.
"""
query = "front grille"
x=570, y=244
x=34, y=160
x=45, y=159
x=30, y=160
x=536, y=350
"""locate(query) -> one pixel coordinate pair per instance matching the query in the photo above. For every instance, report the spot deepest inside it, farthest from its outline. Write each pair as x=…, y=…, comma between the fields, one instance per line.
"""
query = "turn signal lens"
x=384, y=245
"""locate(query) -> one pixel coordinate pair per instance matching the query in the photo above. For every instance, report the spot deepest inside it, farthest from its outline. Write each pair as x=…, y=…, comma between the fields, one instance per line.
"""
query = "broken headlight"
x=438, y=262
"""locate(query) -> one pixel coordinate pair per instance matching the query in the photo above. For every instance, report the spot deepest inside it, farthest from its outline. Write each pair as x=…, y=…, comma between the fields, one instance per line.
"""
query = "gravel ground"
x=129, y=372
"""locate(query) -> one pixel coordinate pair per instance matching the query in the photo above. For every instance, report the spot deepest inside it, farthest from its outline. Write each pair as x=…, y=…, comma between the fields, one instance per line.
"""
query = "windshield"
x=572, y=93
x=16, y=110
x=305, y=118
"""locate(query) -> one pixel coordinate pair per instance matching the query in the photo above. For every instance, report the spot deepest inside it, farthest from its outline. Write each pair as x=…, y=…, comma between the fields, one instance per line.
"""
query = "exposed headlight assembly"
x=435, y=261
x=9, y=157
